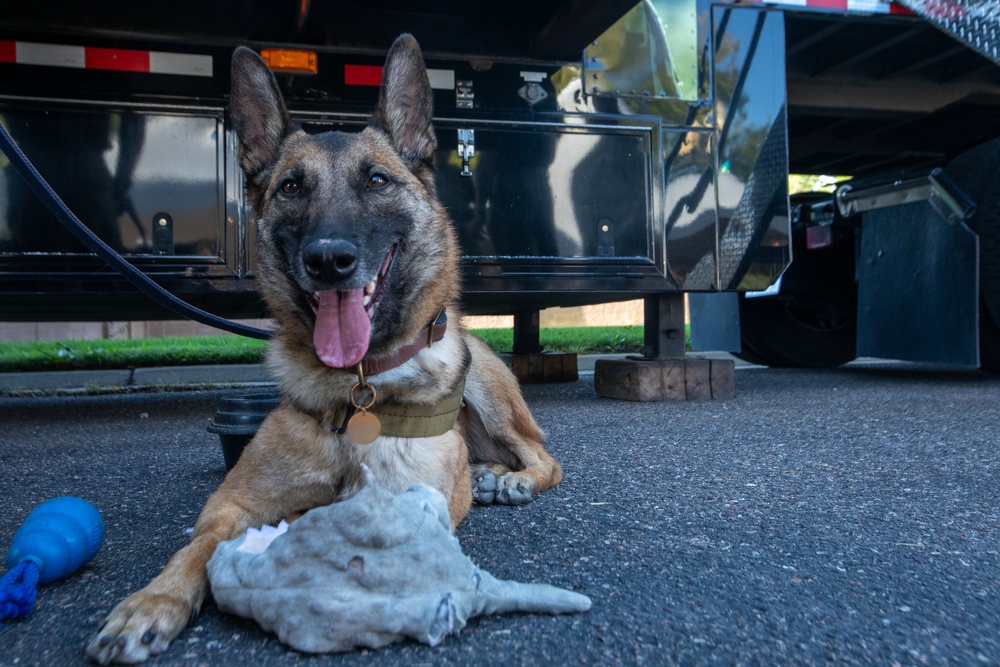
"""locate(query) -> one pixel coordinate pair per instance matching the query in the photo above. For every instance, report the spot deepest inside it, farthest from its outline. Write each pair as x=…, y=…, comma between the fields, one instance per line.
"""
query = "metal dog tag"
x=363, y=427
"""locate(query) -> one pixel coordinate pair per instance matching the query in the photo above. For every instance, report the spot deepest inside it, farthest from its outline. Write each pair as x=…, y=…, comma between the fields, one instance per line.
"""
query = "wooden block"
x=697, y=379
x=633, y=380
x=519, y=364
x=723, y=379
x=672, y=380
x=560, y=367
x=541, y=367
x=682, y=379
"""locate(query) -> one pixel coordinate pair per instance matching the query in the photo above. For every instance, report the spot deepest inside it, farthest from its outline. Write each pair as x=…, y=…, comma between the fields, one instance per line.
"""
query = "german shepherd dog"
x=359, y=266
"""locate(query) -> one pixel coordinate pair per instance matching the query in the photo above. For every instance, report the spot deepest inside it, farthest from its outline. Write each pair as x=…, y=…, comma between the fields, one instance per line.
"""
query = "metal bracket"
x=464, y=96
x=466, y=149
x=937, y=188
x=605, y=238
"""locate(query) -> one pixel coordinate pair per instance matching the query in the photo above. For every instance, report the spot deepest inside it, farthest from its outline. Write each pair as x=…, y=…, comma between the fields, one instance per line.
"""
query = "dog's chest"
x=401, y=463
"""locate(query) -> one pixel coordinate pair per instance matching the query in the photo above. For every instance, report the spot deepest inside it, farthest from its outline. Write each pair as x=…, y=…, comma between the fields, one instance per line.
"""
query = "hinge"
x=466, y=149
x=464, y=96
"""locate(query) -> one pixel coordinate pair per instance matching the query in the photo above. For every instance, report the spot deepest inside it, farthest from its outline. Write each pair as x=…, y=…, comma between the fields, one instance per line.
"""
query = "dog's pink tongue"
x=342, y=328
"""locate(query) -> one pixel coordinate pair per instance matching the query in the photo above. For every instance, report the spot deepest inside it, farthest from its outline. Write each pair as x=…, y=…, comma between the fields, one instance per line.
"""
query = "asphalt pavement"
x=820, y=517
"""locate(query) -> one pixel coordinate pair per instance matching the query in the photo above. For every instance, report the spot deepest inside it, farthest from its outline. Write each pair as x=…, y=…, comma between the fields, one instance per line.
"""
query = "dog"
x=359, y=267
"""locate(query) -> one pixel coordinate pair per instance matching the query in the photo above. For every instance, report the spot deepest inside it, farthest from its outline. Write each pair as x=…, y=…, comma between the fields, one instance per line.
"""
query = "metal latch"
x=466, y=149
x=163, y=234
x=463, y=94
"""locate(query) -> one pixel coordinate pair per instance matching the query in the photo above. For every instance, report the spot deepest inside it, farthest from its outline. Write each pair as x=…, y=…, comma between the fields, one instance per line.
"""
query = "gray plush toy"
x=366, y=572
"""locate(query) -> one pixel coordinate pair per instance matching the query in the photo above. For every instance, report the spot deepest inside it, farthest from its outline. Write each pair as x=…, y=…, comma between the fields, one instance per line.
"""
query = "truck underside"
x=876, y=97
x=884, y=99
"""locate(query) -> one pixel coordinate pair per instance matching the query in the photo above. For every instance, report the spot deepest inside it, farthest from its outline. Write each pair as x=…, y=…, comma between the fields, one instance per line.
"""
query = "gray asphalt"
x=846, y=516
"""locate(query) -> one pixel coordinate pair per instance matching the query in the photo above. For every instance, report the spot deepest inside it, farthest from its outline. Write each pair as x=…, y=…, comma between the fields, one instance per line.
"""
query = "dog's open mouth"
x=344, y=319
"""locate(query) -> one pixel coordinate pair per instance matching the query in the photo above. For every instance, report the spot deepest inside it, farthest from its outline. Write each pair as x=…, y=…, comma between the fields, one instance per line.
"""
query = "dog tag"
x=363, y=427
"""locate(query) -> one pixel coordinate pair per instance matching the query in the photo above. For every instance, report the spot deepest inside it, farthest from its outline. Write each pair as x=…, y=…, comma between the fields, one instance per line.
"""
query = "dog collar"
x=430, y=334
x=400, y=420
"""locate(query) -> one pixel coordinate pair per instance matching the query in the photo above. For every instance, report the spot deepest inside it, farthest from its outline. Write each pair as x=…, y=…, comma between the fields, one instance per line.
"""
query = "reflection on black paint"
x=544, y=194
x=70, y=155
x=117, y=172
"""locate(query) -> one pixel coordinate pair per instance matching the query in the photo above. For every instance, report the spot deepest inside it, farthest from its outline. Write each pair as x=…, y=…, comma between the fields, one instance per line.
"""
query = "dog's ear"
x=405, y=102
x=258, y=111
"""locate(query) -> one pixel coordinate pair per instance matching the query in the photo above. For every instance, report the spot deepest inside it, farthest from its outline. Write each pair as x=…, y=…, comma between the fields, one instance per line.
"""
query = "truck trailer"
x=587, y=153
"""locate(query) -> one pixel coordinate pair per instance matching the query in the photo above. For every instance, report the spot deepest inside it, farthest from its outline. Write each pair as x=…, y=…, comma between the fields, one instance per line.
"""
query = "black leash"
x=141, y=281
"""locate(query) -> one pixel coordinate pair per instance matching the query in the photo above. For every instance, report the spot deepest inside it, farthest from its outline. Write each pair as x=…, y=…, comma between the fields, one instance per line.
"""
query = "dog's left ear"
x=405, y=102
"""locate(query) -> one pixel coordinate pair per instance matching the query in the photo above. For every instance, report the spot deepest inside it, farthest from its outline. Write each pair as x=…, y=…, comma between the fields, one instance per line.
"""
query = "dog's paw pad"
x=514, y=489
x=484, y=487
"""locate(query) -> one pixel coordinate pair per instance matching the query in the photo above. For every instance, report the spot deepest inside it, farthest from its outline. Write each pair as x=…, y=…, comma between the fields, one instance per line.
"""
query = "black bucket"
x=238, y=419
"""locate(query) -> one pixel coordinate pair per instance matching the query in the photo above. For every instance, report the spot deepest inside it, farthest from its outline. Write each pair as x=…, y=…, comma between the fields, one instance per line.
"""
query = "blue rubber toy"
x=57, y=538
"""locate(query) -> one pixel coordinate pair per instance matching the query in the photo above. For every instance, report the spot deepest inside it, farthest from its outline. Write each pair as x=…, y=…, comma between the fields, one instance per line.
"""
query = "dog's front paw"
x=514, y=488
x=495, y=484
x=142, y=625
x=484, y=486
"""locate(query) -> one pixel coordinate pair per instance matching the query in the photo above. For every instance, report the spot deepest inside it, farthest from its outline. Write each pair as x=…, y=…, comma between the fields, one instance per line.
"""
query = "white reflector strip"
x=53, y=55
x=124, y=60
x=442, y=79
x=161, y=62
x=859, y=6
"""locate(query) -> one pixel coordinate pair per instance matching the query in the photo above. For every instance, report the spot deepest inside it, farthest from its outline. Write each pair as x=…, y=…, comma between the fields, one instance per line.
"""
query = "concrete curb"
x=163, y=377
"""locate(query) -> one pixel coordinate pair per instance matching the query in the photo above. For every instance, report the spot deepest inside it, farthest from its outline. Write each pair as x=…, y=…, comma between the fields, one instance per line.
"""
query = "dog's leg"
x=261, y=489
x=144, y=623
x=510, y=463
x=460, y=491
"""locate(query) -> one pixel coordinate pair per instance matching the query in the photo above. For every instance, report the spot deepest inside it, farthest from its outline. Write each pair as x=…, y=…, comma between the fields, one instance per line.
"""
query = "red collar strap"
x=430, y=334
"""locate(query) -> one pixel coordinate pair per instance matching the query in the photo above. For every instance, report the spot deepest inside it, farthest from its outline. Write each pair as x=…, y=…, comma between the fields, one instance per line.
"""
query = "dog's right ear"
x=258, y=111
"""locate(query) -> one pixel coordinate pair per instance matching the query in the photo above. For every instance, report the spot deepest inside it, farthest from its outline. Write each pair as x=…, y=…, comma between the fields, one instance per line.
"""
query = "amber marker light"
x=292, y=61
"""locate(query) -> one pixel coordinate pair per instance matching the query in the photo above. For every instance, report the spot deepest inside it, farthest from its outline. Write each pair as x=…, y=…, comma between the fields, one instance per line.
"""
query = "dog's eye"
x=290, y=186
x=376, y=181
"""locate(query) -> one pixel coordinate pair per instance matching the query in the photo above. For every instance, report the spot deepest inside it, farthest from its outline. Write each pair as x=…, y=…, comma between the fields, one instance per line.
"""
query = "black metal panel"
x=918, y=287
x=147, y=183
x=550, y=191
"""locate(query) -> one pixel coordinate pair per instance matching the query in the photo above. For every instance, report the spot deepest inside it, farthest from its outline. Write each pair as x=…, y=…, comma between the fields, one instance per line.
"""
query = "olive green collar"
x=403, y=420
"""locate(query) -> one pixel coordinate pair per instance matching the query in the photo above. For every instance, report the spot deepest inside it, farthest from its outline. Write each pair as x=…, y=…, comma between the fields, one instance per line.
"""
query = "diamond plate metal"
x=976, y=23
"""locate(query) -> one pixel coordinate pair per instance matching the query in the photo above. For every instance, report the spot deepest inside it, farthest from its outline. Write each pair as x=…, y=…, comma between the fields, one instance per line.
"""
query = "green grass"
x=582, y=340
x=196, y=350
x=103, y=354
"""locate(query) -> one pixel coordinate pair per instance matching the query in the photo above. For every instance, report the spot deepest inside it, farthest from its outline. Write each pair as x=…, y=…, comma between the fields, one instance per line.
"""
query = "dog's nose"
x=330, y=260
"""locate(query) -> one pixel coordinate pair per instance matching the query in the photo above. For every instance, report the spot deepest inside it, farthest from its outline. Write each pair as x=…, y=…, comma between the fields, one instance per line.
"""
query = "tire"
x=779, y=332
x=812, y=323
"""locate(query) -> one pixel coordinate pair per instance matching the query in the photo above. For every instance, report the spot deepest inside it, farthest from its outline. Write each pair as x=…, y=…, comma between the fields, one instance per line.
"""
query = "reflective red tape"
x=363, y=75
x=92, y=57
x=120, y=60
